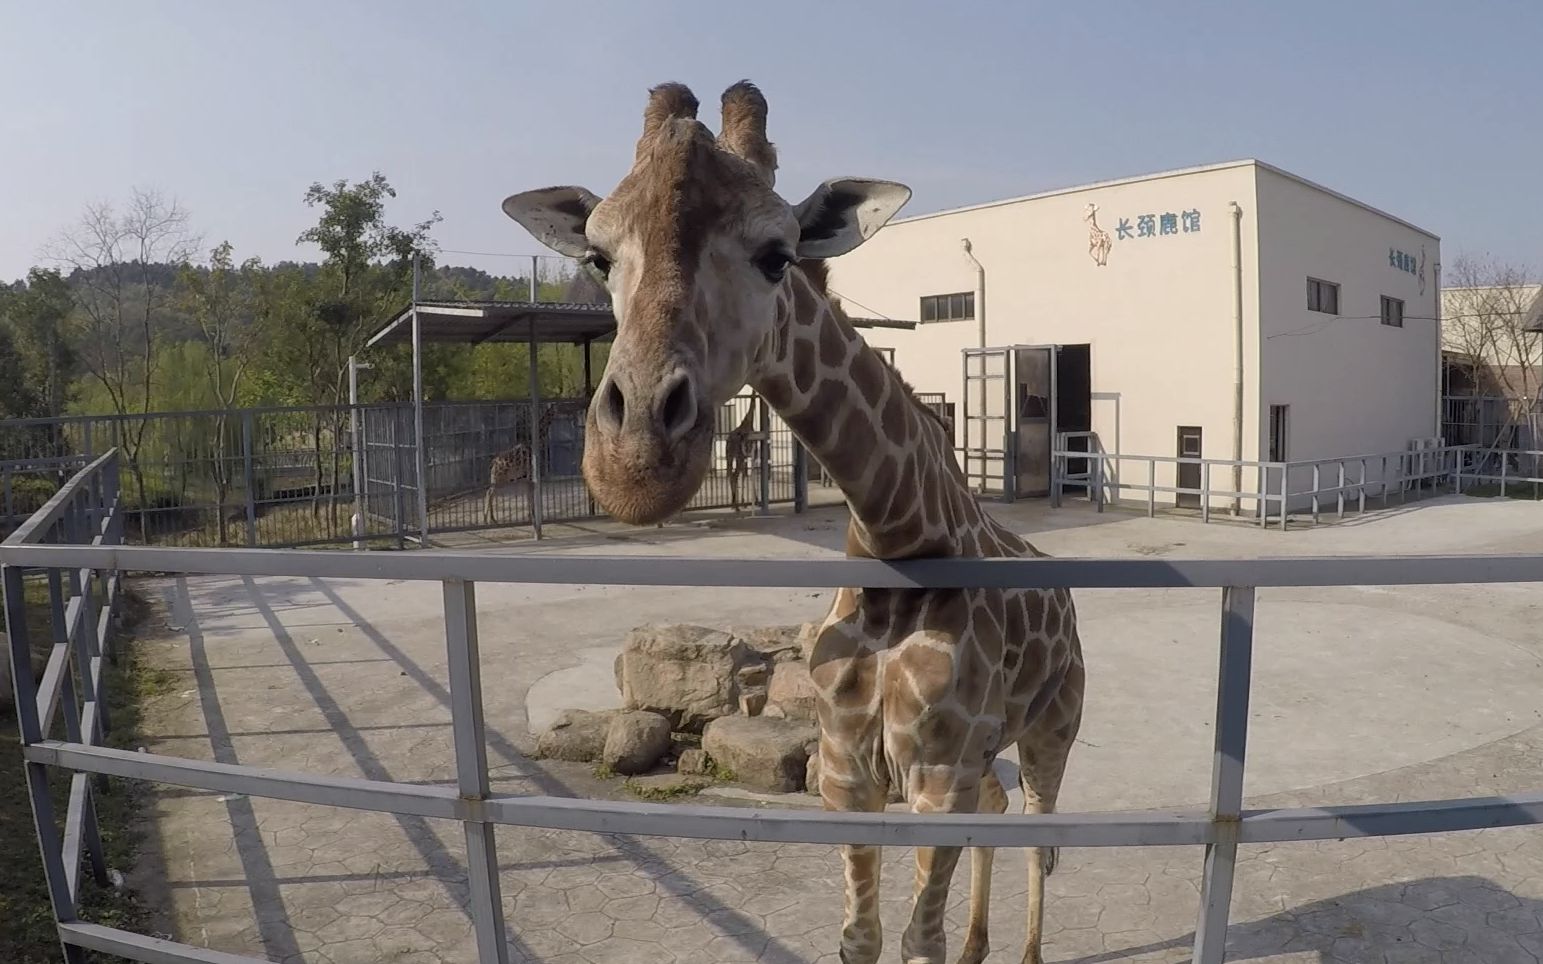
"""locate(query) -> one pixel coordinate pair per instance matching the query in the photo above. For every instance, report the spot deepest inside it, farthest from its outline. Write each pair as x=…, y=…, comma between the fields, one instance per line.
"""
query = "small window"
x=959, y=306
x=1393, y=311
x=1322, y=296
x=1279, y=427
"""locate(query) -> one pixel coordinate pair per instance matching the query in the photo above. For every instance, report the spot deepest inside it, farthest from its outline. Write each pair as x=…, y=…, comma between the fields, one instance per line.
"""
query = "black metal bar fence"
x=75, y=540
x=285, y=476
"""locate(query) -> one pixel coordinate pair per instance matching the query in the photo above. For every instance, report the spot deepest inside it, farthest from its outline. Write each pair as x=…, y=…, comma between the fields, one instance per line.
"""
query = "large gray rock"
x=774, y=643
x=635, y=741
x=577, y=736
x=792, y=691
x=764, y=753
x=690, y=674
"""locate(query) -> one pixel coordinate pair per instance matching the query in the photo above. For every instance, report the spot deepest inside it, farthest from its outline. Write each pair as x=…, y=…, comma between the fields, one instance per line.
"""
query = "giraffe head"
x=694, y=246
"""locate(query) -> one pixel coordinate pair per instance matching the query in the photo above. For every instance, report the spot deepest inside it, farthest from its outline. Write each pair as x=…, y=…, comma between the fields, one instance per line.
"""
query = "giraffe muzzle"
x=649, y=445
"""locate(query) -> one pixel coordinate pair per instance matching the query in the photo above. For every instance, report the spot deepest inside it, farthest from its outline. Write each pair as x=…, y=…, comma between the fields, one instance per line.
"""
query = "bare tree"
x=220, y=300
x=1490, y=314
x=117, y=262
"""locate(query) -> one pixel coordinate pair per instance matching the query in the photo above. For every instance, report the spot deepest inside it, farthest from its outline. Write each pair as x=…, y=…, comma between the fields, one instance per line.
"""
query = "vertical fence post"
x=1339, y=495
x=1360, y=492
x=249, y=477
x=537, y=437
x=1317, y=486
x=765, y=448
x=800, y=477
x=1285, y=492
x=1504, y=467
x=471, y=769
x=1205, y=491
x=1151, y=488
x=1231, y=745
x=49, y=845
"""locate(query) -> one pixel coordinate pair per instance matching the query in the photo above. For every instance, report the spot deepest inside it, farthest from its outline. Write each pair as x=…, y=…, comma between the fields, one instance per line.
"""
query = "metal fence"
x=73, y=542
x=286, y=477
x=1275, y=493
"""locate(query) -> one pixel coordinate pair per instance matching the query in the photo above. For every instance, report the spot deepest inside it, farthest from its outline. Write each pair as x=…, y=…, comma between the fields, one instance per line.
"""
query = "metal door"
x=1189, y=473
x=1034, y=397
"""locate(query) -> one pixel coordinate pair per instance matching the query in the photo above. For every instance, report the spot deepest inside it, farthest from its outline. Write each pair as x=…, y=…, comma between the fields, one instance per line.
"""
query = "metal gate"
x=987, y=424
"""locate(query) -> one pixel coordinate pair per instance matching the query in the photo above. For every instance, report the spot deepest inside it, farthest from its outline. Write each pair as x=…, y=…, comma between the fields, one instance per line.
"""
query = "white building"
x=1165, y=293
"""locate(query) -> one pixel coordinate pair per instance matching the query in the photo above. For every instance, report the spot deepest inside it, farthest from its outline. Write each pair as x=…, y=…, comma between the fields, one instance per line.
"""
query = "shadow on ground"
x=1436, y=920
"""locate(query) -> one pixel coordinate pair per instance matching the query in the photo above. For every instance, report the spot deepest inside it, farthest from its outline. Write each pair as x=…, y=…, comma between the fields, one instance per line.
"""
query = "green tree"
x=367, y=272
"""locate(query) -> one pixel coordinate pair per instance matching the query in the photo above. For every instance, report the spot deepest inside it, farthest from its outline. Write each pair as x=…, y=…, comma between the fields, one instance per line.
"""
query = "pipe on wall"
x=1237, y=361
x=980, y=318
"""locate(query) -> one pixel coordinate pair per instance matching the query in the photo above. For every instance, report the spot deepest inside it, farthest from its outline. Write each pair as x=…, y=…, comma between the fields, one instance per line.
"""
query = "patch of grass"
x=686, y=739
x=603, y=772
x=666, y=792
x=719, y=772
x=27, y=934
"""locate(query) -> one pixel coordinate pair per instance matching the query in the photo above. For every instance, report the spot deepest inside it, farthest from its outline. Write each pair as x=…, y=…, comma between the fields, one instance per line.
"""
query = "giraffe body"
x=718, y=283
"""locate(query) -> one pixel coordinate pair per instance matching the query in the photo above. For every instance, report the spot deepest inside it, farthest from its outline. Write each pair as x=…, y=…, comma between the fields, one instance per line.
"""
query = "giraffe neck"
x=892, y=460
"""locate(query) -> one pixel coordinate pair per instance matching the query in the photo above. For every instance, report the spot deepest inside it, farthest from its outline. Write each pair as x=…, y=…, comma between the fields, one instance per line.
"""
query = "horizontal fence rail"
x=1281, y=491
x=75, y=536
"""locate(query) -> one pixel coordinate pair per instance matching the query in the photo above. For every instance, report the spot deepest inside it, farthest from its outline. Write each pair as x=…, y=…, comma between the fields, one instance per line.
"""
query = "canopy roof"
x=478, y=322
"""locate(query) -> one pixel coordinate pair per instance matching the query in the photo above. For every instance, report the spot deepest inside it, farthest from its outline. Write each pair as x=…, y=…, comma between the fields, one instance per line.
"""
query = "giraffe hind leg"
x=1042, y=755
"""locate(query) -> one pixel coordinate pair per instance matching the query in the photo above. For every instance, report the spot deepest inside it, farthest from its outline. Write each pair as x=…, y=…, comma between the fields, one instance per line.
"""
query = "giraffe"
x=718, y=283
x=513, y=465
x=1098, y=239
x=739, y=447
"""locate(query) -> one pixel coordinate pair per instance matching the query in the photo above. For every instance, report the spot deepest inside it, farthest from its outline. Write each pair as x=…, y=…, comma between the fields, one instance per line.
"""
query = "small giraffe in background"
x=739, y=446
x=514, y=465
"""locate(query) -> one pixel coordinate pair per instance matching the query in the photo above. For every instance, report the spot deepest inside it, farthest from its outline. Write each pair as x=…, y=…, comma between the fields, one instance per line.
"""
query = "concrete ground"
x=1362, y=695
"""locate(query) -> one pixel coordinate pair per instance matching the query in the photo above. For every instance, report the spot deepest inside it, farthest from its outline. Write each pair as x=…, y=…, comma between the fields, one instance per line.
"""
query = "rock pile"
x=743, y=693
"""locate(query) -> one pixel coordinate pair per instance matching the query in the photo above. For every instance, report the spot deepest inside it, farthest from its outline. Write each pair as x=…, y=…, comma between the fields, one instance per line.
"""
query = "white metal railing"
x=1281, y=489
x=53, y=543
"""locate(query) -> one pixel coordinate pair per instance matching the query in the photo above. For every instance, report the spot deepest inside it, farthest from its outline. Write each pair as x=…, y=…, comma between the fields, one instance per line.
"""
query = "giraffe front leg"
x=862, y=936
x=925, y=941
x=993, y=799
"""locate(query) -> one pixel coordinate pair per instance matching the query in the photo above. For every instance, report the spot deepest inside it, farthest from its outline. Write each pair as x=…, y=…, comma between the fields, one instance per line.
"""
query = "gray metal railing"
x=1281, y=490
x=54, y=541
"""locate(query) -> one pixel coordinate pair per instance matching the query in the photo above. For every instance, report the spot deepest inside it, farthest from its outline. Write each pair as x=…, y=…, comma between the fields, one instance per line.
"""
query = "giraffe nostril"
x=677, y=413
x=613, y=405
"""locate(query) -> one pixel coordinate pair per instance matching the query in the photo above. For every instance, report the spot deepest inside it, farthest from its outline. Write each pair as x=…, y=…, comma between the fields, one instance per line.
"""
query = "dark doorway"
x=1074, y=399
x=1189, y=472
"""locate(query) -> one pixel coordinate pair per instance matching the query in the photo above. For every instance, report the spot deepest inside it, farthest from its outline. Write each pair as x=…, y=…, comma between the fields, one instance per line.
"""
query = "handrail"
x=38, y=524
x=1221, y=825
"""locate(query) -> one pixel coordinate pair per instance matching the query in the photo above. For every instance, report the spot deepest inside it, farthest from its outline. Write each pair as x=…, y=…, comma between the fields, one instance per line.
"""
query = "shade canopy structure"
x=483, y=322
x=470, y=323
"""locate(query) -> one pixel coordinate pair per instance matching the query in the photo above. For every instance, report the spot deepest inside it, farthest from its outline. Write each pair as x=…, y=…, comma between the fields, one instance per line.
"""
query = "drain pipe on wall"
x=980, y=320
x=1237, y=363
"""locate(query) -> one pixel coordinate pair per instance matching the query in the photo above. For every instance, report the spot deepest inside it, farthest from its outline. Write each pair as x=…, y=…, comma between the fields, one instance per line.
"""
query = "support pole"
x=536, y=441
x=420, y=446
x=355, y=429
x=1237, y=361
x=1231, y=745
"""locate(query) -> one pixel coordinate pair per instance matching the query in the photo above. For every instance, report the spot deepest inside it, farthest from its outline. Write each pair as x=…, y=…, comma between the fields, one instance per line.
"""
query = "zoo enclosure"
x=285, y=476
x=72, y=542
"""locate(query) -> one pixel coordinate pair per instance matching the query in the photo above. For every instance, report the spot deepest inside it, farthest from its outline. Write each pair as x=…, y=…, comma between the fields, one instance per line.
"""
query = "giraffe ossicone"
x=718, y=283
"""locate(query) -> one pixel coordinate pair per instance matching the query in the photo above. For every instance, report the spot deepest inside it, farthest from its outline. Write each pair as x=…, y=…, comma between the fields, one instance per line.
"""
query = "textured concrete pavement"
x=1362, y=695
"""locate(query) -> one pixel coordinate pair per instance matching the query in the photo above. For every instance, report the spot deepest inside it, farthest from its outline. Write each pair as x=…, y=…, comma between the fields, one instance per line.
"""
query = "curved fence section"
x=73, y=543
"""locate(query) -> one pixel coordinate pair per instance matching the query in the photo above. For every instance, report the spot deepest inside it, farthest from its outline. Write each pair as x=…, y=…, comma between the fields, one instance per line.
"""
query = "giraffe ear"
x=555, y=216
x=844, y=212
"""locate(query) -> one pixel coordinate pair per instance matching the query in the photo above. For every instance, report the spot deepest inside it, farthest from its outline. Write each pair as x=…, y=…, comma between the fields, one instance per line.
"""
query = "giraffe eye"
x=599, y=263
x=774, y=264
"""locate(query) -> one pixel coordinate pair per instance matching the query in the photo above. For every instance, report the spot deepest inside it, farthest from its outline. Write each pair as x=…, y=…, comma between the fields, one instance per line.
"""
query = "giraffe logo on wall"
x=1098, y=239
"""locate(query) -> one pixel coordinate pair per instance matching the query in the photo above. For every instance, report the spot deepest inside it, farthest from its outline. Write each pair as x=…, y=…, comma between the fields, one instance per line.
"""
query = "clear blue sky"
x=1429, y=110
